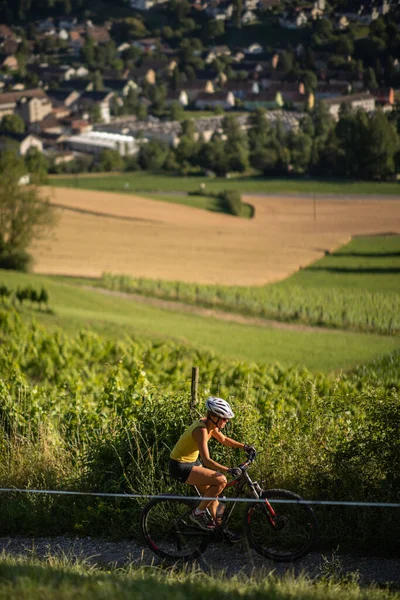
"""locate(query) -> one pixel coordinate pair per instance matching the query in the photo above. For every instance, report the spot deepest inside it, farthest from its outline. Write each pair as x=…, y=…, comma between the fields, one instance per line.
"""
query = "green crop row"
x=329, y=307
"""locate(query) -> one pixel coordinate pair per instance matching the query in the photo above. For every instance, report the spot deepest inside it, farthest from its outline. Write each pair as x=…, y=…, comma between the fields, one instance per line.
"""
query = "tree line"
x=358, y=146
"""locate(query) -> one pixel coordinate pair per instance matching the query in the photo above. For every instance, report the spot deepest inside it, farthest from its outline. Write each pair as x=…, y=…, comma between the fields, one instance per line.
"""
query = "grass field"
x=66, y=579
x=145, y=182
x=369, y=263
x=75, y=308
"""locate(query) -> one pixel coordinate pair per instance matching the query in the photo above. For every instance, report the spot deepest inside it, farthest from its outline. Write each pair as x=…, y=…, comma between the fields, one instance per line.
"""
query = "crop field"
x=100, y=232
x=356, y=287
x=75, y=308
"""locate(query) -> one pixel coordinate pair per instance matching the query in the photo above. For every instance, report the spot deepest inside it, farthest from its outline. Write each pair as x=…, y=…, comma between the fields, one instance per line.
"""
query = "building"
x=95, y=142
x=32, y=105
x=88, y=100
x=225, y=100
x=22, y=142
x=364, y=101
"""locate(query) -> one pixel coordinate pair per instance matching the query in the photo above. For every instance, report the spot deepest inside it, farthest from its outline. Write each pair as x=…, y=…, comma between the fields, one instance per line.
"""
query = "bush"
x=232, y=201
x=15, y=260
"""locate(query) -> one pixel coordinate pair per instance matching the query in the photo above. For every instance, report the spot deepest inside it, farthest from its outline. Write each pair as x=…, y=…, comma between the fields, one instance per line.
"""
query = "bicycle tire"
x=286, y=537
x=168, y=532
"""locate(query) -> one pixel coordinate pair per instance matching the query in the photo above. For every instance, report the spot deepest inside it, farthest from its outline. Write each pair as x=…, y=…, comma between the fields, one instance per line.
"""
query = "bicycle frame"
x=241, y=482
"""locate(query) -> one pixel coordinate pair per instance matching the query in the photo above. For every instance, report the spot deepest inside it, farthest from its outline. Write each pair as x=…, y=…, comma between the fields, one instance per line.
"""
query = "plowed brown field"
x=126, y=234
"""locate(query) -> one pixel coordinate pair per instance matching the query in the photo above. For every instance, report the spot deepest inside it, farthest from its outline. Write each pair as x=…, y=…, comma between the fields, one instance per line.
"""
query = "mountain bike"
x=282, y=531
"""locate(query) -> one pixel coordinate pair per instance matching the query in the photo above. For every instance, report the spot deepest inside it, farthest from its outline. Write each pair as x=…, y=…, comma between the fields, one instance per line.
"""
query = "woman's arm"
x=225, y=440
x=200, y=436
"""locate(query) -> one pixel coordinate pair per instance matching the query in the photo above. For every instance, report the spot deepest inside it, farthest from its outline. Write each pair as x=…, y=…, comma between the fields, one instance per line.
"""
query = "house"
x=95, y=142
x=293, y=19
x=22, y=142
x=63, y=98
x=225, y=100
x=298, y=100
x=159, y=66
x=180, y=96
x=254, y=49
x=67, y=23
x=99, y=35
x=88, y=100
x=364, y=101
x=147, y=45
x=77, y=84
x=32, y=105
x=141, y=4
x=9, y=47
x=268, y=4
x=50, y=73
x=247, y=17
x=76, y=42
x=141, y=74
x=6, y=33
x=327, y=90
x=49, y=125
x=120, y=87
x=241, y=88
x=9, y=62
x=194, y=88
x=384, y=96
x=289, y=87
x=341, y=23
x=263, y=100
x=46, y=26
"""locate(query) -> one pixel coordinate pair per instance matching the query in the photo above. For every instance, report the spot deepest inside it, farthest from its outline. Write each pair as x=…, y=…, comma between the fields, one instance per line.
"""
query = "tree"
x=177, y=111
x=370, y=82
x=383, y=145
x=12, y=124
x=237, y=148
x=111, y=160
x=25, y=215
x=37, y=165
x=153, y=155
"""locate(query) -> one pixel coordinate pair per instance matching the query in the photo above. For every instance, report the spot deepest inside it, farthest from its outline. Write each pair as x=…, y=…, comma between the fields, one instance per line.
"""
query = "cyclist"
x=208, y=476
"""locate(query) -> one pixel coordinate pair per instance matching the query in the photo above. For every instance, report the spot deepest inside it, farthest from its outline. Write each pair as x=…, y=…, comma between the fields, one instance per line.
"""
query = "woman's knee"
x=221, y=480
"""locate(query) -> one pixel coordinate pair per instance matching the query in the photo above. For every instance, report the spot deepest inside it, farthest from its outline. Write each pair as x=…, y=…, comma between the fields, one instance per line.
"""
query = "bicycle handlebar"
x=251, y=458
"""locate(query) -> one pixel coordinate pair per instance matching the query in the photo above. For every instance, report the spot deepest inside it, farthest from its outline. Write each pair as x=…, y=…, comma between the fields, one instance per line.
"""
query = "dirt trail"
x=218, y=557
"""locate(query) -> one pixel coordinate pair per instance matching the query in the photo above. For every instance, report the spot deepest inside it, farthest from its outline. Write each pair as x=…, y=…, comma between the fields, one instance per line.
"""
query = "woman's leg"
x=210, y=483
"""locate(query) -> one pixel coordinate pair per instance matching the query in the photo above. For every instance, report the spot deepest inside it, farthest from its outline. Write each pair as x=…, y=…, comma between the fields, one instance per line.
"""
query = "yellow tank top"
x=186, y=449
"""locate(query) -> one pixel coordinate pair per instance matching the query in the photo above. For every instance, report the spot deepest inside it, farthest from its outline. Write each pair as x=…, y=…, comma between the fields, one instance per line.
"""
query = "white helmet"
x=219, y=407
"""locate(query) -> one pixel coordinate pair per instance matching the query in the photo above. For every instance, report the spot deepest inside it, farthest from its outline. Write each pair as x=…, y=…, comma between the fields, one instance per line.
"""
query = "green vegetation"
x=370, y=263
x=197, y=200
x=356, y=288
x=24, y=214
x=84, y=412
x=153, y=182
x=74, y=307
x=66, y=578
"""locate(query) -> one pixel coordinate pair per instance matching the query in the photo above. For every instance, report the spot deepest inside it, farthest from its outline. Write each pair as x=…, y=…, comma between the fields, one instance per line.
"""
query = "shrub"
x=232, y=201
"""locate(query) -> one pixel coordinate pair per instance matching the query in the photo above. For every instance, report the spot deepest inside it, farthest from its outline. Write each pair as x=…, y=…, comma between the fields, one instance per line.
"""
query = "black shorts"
x=181, y=470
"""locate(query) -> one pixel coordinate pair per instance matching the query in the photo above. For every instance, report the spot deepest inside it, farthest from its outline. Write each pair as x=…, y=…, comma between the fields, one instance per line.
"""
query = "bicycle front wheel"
x=281, y=531
x=168, y=531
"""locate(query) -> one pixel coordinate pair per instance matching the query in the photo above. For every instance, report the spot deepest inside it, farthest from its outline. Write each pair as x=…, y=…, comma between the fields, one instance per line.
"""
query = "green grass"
x=66, y=579
x=369, y=263
x=75, y=308
x=203, y=202
x=150, y=182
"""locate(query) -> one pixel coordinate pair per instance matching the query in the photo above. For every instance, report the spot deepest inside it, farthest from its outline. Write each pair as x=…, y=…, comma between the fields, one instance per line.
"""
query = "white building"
x=363, y=100
x=95, y=142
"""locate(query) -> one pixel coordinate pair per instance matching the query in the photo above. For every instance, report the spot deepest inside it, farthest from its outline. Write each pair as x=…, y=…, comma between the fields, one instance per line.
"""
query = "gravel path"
x=218, y=557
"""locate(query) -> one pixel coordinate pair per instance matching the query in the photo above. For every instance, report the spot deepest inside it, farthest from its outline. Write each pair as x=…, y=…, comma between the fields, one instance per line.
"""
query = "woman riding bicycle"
x=209, y=478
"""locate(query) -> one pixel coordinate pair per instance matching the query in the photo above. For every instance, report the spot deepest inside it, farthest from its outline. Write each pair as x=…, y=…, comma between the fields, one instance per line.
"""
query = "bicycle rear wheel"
x=168, y=531
x=286, y=535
